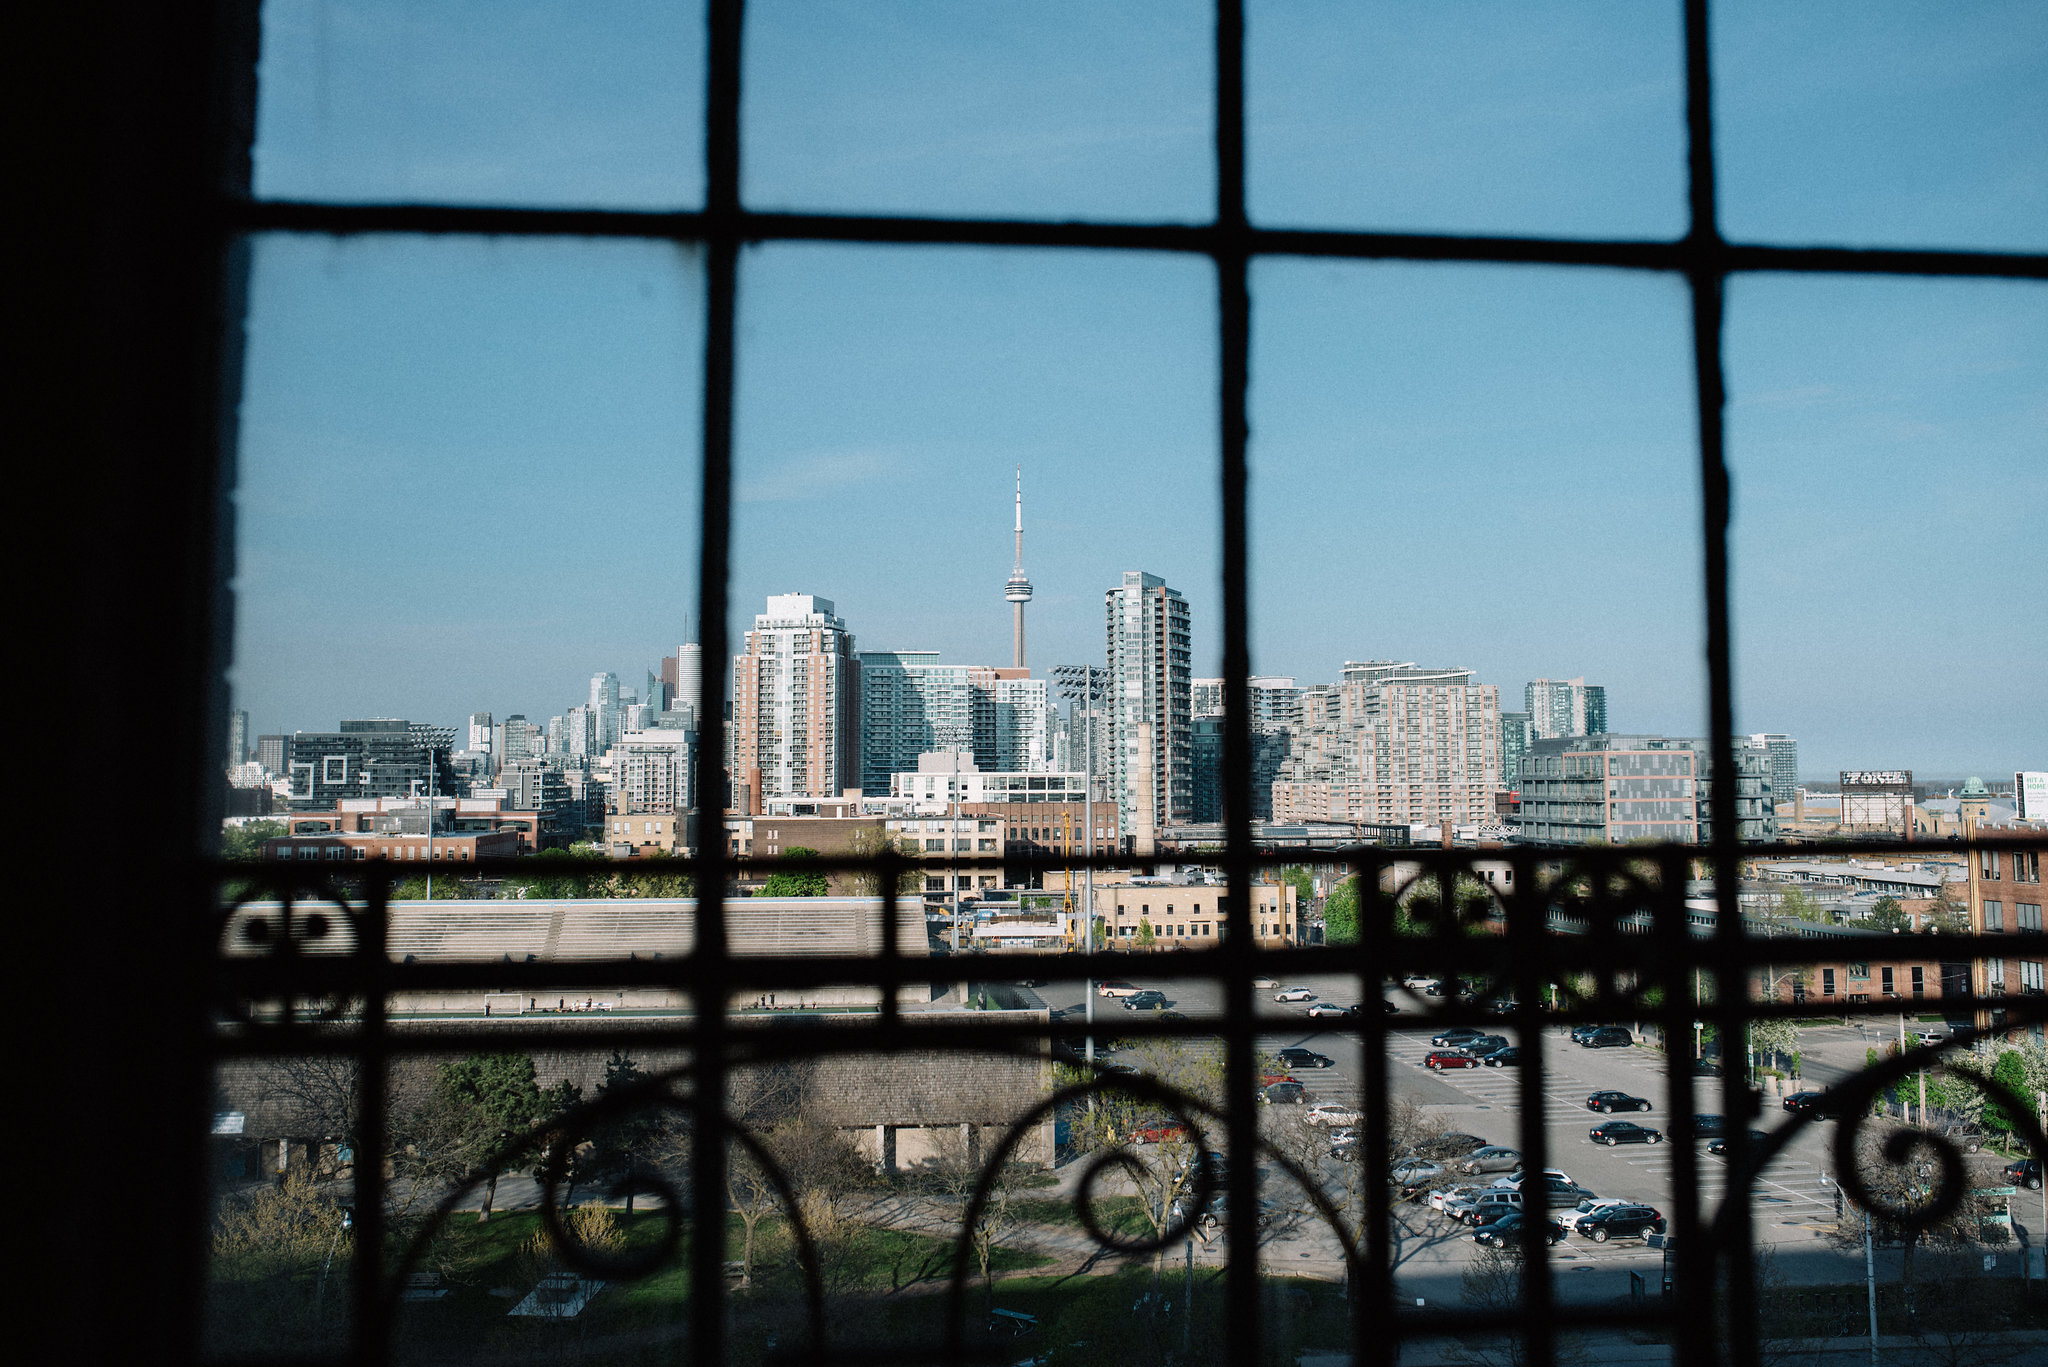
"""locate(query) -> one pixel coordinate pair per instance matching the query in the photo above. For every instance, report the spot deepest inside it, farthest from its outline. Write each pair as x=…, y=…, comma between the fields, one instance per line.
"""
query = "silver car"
x=1492, y=1158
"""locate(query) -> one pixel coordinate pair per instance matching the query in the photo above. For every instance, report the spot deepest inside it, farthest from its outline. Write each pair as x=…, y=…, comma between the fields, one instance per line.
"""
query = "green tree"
x=243, y=844
x=1302, y=881
x=491, y=1102
x=1948, y=915
x=620, y=1146
x=1796, y=905
x=797, y=882
x=653, y=875
x=871, y=841
x=1146, y=935
x=2010, y=1071
x=554, y=874
x=1888, y=914
x=1340, y=913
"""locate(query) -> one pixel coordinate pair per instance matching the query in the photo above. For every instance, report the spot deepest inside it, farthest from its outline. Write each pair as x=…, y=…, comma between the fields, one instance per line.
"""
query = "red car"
x=1159, y=1132
x=1449, y=1058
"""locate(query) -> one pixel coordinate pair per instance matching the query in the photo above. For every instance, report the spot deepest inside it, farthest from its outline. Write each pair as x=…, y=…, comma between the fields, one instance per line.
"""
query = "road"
x=1790, y=1203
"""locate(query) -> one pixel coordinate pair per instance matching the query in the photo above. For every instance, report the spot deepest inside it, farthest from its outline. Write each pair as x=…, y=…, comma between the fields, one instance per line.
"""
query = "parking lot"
x=1791, y=1201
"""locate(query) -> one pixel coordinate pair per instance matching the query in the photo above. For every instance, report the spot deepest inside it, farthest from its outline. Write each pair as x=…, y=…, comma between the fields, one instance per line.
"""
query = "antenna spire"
x=1018, y=590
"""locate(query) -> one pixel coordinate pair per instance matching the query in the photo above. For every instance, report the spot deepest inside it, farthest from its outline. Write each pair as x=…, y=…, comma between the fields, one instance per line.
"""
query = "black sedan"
x=1507, y=1230
x=1607, y=1103
x=1509, y=1057
x=1818, y=1102
x=1457, y=1037
x=1619, y=1222
x=1720, y=1145
x=2025, y=1173
x=1148, y=1000
x=1624, y=1132
x=1297, y=1057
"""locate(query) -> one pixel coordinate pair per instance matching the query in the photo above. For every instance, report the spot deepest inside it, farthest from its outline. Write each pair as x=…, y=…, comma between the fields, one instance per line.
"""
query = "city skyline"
x=467, y=469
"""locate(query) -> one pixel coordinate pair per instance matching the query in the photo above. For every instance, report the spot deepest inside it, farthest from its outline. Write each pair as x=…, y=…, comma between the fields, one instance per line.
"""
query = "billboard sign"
x=2030, y=792
x=1877, y=797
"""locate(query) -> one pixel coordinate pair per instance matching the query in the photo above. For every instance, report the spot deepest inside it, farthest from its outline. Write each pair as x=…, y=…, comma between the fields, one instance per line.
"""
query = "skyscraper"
x=1514, y=743
x=796, y=703
x=238, y=737
x=1150, y=764
x=1394, y=743
x=1565, y=707
x=1782, y=762
x=1018, y=590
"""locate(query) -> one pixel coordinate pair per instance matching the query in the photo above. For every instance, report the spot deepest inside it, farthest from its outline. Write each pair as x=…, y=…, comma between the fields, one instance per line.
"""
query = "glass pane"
x=1886, y=443
x=1913, y=124
x=1469, y=117
x=1475, y=535
x=528, y=104
x=1041, y=111
x=466, y=518
x=888, y=400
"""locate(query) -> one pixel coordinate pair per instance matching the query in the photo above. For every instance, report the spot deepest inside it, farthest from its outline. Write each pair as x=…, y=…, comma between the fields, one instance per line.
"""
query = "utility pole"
x=1870, y=1284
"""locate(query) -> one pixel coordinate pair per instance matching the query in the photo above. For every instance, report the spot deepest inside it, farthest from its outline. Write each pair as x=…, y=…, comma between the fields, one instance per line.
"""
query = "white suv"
x=1331, y=1113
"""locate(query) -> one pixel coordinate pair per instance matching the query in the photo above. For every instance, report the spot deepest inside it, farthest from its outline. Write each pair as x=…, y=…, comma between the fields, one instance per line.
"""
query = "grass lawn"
x=862, y=1262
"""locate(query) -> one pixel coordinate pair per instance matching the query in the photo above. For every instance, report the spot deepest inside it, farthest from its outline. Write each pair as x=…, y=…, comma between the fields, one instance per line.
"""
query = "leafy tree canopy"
x=243, y=844
x=1888, y=914
x=797, y=882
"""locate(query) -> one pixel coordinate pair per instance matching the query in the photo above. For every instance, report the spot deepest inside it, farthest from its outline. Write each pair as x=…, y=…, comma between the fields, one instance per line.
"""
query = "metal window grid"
x=1632, y=928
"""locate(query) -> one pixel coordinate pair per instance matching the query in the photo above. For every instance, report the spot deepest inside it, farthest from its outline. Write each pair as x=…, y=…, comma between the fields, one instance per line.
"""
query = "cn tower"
x=1018, y=590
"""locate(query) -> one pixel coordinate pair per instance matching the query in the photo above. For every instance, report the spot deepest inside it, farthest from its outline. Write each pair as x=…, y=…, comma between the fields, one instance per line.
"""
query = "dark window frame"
x=1702, y=258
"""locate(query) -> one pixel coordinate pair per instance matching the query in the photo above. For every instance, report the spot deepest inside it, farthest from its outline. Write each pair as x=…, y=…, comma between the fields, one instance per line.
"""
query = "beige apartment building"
x=1391, y=744
x=1186, y=915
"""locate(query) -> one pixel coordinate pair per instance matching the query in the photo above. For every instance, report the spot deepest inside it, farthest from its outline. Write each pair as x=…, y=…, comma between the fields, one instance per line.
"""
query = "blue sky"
x=467, y=467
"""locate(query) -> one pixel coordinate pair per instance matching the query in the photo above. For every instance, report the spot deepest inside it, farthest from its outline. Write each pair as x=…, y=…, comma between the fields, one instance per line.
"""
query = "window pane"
x=532, y=103
x=1563, y=119
x=1886, y=443
x=1475, y=495
x=1042, y=111
x=1901, y=125
x=467, y=499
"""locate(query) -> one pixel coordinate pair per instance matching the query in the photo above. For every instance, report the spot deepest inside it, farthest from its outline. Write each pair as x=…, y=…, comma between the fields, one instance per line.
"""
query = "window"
x=1987, y=864
x=2027, y=915
x=1885, y=980
x=1827, y=982
x=1698, y=264
x=1919, y=981
x=2030, y=975
x=1994, y=917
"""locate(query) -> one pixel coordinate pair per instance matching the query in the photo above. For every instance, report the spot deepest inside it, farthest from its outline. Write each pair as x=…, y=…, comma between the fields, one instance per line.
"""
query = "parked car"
x=1457, y=1037
x=1294, y=1056
x=1484, y=1044
x=1580, y=1032
x=1449, y=1144
x=1294, y=994
x=1288, y=1092
x=1818, y=1102
x=1588, y=1204
x=1492, y=1158
x=1419, y=982
x=1159, y=1132
x=1608, y=1037
x=1609, y=1102
x=1507, y=1057
x=1392, y=1009
x=1442, y=1198
x=1414, y=1172
x=1173, y=1015
x=2025, y=1173
x=1265, y=982
x=1508, y=1230
x=1721, y=1145
x=1624, y=1132
x=1489, y=1204
x=1558, y=1193
x=1144, y=1001
x=1321, y=1009
x=1115, y=988
x=1964, y=1137
x=1515, y=1178
x=1440, y=1059
x=1333, y=1113
x=1703, y=1127
x=1619, y=1222
x=1927, y=1034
